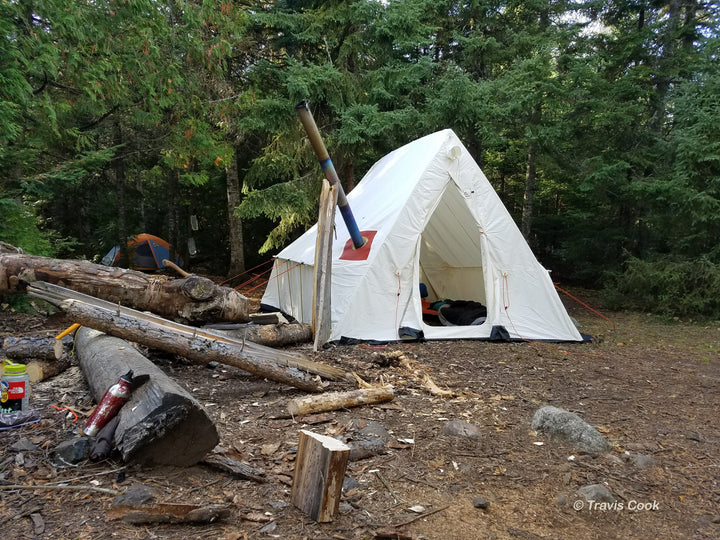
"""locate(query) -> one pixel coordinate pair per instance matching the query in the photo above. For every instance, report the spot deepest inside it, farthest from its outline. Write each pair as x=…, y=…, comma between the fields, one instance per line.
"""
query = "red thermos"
x=110, y=404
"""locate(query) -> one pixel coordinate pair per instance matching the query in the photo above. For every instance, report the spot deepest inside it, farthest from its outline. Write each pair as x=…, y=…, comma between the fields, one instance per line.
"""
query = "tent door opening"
x=451, y=257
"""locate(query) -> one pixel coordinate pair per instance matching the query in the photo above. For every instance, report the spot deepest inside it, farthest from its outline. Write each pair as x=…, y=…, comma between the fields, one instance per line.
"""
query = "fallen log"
x=193, y=343
x=333, y=401
x=193, y=299
x=33, y=347
x=270, y=335
x=161, y=423
x=198, y=348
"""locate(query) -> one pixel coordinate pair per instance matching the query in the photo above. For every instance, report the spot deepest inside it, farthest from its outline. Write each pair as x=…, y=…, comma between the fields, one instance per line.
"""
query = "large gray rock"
x=563, y=425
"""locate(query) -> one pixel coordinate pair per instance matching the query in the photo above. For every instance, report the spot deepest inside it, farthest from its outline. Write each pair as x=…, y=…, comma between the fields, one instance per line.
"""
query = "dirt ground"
x=651, y=388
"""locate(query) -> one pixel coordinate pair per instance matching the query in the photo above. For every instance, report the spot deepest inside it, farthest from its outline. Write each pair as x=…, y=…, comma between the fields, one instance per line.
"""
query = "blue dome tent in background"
x=146, y=253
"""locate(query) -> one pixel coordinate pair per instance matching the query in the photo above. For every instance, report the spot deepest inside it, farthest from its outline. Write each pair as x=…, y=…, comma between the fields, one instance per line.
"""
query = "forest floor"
x=650, y=387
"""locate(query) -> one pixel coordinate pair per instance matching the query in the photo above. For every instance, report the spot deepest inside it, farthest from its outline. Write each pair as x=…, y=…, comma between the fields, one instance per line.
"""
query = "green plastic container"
x=15, y=386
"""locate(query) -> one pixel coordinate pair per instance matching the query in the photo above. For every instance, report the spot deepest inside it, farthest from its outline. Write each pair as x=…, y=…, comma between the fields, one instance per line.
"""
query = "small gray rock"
x=73, y=451
x=365, y=447
x=350, y=483
x=561, y=424
x=270, y=527
x=461, y=428
x=479, y=502
x=642, y=461
x=23, y=445
x=136, y=495
x=368, y=428
x=596, y=492
x=345, y=508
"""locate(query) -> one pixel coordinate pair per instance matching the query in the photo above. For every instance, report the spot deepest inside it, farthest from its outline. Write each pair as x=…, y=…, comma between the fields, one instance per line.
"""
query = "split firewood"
x=169, y=513
x=319, y=473
x=332, y=401
x=33, y=347
x=193, y=299
x=161, y=423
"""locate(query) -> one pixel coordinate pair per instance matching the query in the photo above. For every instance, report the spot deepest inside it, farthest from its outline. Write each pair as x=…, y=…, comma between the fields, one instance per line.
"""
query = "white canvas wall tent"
x=430, y=216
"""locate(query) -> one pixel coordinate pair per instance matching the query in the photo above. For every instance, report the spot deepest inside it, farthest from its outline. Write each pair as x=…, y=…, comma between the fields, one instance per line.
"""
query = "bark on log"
x=193, y=347
x=271, y=335
x=33, y=347
x=161, y=423
x=193, y=299
x=333, y=401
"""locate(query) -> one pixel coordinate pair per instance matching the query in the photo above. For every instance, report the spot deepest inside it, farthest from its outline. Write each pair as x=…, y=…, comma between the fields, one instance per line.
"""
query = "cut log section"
x=40, y=370
x=332, y=401
x=33, y=347
x=319, y=473
x=271, y=335
x=161, y=423
x=193, y=299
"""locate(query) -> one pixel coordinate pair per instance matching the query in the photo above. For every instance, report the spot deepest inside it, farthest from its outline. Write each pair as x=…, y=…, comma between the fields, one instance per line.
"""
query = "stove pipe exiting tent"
x=328, y=168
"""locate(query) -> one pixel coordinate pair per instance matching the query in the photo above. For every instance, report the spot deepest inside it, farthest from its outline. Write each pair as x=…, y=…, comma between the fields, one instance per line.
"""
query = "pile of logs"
x=43, y=357
x=162, y=424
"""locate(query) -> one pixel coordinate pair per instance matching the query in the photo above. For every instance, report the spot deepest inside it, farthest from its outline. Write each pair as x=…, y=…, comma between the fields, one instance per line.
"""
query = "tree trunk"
x=665, y=70
x=172, y=221
x=122, y=234
x=193, y=299
x=235, y=225
x=529, y=196
x=161, y=424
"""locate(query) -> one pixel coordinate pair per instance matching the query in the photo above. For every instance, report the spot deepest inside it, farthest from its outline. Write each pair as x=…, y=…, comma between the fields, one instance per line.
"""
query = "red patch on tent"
x=360, y=254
